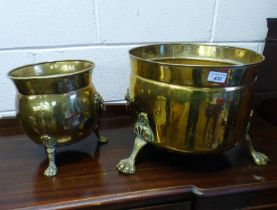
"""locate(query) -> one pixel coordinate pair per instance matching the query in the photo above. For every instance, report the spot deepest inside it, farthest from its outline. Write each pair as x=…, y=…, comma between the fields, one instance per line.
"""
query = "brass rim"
x=131, y=53
x=50, y=76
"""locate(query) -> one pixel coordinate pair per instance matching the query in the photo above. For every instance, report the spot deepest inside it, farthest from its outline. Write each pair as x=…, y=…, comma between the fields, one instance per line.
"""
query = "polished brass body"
x=57, y=103
x=188, y=111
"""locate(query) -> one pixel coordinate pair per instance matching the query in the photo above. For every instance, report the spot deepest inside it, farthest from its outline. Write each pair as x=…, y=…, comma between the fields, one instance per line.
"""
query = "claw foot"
x=126, y=166
x=260, y=159
x=144, y=134
x=51, y=171
x=103, y=139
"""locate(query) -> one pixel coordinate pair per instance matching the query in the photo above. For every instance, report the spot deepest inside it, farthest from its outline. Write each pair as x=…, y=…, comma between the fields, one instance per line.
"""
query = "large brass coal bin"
x=57, y=104
x=192, y=98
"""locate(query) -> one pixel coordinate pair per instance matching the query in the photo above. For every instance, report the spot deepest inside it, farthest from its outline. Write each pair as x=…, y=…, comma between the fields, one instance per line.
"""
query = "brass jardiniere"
x=191, y=98
x=57, y=104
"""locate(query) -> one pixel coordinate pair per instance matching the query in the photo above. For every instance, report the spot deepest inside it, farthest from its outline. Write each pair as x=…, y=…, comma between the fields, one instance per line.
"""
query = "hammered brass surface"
x=188, y=113
x=56, y=99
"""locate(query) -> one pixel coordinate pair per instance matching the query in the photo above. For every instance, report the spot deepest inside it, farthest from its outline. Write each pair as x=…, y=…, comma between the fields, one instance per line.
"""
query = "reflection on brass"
x=57, y=104
x=144, y=134
x=197, y=97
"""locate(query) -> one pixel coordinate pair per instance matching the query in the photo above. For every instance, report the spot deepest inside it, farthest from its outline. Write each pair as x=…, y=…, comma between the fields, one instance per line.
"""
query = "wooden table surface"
x=87, y=176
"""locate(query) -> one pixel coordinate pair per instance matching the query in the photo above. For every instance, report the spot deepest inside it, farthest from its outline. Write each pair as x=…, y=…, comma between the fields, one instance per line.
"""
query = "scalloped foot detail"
x=144, y=134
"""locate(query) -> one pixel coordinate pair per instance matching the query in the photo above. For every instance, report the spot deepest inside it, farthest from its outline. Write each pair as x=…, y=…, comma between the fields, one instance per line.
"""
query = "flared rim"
x=14, y=77
x=132, y=53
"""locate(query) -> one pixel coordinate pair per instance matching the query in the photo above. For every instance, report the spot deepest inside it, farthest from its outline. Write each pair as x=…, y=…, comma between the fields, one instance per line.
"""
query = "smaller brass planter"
x=191, y=98
x=57, y=104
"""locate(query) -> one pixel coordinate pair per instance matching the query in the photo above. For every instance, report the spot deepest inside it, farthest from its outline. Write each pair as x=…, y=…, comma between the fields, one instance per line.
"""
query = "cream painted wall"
x=104, y=30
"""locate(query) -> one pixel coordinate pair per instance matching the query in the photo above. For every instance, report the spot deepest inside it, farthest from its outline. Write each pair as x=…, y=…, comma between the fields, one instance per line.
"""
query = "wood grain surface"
x=87, y=176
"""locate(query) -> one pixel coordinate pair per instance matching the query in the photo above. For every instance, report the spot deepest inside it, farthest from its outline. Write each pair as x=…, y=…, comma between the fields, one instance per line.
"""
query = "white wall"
x=104, y=30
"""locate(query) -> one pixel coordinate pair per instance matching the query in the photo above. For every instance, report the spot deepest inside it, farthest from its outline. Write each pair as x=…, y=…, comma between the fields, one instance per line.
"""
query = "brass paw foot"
x=50, y=147
x=126, y=166
x=259, y=158
x=51, y=171
x=101, y=139
x=144, y=134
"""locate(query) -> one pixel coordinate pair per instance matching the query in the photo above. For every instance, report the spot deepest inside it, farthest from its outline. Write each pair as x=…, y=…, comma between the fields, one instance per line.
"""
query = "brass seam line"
x=190, y=88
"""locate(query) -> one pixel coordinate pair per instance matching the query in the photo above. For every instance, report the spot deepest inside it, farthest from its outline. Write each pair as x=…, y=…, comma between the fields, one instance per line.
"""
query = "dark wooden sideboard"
x=87, y=177
x=266, y=86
